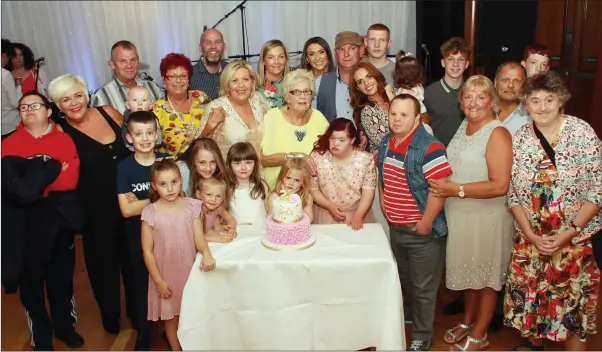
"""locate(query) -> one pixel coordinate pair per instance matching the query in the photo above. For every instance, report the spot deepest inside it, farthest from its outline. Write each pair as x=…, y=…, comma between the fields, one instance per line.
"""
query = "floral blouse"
x=180, y=129
x=272, y=92
x=343, y=185
x=579, y=165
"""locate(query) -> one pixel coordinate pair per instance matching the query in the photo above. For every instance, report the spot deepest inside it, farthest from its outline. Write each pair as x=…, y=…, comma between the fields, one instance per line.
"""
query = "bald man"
x=509, y=80
x=205, y=74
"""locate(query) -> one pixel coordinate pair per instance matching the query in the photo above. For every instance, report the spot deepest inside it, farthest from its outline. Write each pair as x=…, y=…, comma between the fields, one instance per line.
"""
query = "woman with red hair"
x=343, y=189
x=180, y=110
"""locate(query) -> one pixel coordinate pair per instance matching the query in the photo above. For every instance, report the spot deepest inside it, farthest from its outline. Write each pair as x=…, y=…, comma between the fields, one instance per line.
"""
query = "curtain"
x=76, y=36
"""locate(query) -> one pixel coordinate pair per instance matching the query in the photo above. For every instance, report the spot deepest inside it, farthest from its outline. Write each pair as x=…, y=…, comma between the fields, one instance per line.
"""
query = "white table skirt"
x=342, y=293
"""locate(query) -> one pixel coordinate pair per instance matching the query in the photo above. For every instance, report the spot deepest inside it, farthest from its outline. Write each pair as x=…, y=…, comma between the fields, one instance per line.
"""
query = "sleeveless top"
x=98, y=170
x=247, y=210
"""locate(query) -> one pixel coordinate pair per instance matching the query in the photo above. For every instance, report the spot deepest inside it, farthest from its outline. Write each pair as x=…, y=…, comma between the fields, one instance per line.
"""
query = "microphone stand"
x=36, y=74
x=245, y=44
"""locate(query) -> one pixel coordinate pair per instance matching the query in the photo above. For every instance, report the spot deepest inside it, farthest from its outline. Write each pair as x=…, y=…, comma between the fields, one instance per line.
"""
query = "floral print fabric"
x=180, y=129
x=272, y=93
x=554, y=297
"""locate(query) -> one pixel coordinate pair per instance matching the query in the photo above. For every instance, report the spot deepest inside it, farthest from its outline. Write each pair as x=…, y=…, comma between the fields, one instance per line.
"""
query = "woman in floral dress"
x=271, y=69
x=179, y=112
x=555, y=196
x=343, y=189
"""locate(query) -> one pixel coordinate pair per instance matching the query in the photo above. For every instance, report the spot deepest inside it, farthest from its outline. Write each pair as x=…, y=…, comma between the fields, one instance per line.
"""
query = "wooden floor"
x=15, y=333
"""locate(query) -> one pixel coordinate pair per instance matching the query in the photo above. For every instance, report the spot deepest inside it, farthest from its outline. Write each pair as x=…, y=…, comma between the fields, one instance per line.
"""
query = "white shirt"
x=10, y=102
x=517, y=119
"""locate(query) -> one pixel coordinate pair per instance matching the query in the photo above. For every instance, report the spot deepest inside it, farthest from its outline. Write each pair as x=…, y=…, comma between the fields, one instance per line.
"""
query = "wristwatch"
x=576, y=227
x=461, y=194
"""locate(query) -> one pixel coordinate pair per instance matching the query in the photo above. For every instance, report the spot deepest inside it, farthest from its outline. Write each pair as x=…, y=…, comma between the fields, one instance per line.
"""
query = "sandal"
x=529, y=345
x=453, y=338
x=469, y=339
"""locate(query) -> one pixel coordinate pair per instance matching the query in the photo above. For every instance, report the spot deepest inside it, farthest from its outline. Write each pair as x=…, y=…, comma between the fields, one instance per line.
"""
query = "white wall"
x=76, y=36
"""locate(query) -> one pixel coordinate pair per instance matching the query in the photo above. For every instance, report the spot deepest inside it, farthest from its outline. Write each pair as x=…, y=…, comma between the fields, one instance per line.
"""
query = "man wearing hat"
x=332, y=87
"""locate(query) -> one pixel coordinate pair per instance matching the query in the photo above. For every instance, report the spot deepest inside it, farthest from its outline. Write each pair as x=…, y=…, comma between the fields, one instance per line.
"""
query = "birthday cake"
x=288, y=228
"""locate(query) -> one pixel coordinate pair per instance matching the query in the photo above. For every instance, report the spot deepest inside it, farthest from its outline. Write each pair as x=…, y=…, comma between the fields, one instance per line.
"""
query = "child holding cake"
x=213, y=193
x=172, y=233
x=245, y=185
x=294, y=179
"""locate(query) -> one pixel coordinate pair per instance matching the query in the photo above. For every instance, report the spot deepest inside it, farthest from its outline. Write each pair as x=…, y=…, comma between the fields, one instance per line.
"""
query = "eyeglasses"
x=297, y=93
x=177, y=77
x=32, y=106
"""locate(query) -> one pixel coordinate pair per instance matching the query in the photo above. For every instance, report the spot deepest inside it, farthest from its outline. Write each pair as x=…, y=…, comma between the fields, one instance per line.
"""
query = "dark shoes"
x=71, y=338
x=111, y=326
x=142, y=344
x=42, y=347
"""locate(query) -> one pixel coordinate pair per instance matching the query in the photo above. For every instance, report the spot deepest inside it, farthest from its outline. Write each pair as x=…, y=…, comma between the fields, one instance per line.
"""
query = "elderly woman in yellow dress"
x=291, y=130
x=243, y=106
x=555, y=196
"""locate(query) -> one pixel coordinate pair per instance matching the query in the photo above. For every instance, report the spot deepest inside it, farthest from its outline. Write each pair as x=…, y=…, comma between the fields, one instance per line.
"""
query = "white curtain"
x=76, y=36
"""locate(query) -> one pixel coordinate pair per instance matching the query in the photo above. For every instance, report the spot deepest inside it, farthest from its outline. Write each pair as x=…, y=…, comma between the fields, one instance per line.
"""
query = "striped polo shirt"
x=115, y=93
x=400, y=206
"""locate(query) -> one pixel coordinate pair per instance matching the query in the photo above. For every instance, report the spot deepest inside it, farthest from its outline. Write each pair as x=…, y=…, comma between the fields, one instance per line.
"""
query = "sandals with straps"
x=469, y=339
x=454, y=338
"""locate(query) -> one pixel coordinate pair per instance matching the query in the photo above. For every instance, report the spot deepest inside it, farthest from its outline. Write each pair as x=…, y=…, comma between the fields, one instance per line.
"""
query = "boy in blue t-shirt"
x=133, y=183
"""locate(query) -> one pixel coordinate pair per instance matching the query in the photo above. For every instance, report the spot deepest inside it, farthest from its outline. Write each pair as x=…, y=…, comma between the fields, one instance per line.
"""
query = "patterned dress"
x=343, y=184
x=180, y=129
x=375, y=122
x=272, y=92
x=554, y=297
x=234, y=129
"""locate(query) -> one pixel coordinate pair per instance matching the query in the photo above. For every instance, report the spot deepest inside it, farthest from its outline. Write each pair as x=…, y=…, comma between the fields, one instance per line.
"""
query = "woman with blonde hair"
x=243, y=106
x=480, y=227
x=291, y=130
x=96, y=133
x=272, y=67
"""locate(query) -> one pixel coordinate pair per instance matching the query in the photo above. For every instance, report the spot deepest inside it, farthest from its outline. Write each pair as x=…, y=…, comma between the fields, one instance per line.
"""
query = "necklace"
x=300, y=134
x=178, y=114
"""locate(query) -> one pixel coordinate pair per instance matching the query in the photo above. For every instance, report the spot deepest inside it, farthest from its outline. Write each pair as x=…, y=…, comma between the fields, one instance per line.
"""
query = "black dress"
x=103, y=233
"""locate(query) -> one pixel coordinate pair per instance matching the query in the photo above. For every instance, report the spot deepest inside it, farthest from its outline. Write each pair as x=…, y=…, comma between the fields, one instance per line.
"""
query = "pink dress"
x=211, y=218
x=175, y=253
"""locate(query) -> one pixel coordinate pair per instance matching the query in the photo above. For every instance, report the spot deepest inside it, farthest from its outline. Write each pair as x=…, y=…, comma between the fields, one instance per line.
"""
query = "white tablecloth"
x=342, y=293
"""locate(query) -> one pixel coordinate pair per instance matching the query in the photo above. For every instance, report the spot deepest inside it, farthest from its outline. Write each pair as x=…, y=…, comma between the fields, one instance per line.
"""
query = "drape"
x=76, y=36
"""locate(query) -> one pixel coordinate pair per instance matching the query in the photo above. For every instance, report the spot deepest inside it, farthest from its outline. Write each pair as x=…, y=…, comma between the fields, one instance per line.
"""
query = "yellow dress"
x=280, y=136
x=180, y=129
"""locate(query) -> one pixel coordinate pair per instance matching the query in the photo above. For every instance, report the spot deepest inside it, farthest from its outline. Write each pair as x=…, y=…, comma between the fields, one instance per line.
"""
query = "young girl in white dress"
x=245, y=185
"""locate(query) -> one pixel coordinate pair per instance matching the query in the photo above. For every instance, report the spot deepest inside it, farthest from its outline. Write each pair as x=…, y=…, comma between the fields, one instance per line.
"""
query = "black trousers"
x=58, y=281
x=137, y=278
x=104, y=254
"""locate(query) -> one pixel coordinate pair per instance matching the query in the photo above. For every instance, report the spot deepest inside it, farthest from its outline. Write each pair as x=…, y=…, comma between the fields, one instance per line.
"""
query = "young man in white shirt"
x=11, y=93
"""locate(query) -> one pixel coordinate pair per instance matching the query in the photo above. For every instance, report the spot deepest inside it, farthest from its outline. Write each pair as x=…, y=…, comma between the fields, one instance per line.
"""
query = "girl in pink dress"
x=172, y=233
x=219, y=224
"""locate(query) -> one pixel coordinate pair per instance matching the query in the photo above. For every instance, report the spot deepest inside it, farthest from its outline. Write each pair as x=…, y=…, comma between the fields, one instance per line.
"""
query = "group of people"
x=487, y=181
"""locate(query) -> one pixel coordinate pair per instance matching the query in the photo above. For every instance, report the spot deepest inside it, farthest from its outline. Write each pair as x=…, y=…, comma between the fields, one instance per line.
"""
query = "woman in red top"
x=23, y=67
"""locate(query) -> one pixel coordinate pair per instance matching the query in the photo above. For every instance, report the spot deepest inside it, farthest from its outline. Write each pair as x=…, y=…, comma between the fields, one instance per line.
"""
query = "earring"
x=61, y=115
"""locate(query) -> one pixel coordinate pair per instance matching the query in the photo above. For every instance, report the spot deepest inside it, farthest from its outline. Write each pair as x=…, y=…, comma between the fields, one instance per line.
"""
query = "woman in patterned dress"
x=343, y=189
x=555, y=196
x=244, y=109
x=480, y=227
x=179, y=112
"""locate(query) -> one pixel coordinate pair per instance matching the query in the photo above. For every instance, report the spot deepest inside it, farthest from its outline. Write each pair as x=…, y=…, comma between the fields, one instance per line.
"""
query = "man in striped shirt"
x=124, y=62
x=407, y=159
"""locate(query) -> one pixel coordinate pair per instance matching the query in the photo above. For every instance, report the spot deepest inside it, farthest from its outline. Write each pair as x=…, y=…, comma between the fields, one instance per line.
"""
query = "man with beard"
x=509, y=79
x=124, y=62
x=441, y=97
x=205, y=74
x=377, y=43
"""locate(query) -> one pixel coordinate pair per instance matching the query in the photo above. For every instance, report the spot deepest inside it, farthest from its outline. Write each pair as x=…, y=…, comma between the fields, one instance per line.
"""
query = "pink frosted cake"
x=288, y=228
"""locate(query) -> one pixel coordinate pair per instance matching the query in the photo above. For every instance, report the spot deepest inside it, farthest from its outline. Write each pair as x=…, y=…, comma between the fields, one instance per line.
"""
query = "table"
x=342, y=293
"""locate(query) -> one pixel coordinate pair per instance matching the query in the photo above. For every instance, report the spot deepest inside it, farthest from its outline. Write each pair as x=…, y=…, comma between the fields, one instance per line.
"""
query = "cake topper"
x=290, y=196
